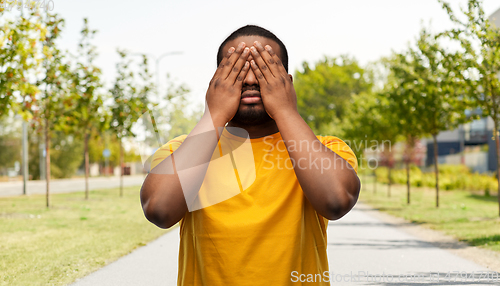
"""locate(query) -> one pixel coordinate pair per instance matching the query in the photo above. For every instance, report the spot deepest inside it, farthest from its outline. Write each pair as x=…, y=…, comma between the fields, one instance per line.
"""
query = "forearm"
x=327, y=180
x=174, y=183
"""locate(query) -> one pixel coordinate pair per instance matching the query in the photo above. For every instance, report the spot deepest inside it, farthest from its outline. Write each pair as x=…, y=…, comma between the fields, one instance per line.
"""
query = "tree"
x=88, y=113
x=436, y=94
x=65, y=154
x=130, y=101
x=172, y=117
x=404, y=97
x=370, y=123
x=408, y=156
x=52, y=102
x=107, y=140
x=20, y=57
x=479, y=63
x=324, y=92
x=179, y=121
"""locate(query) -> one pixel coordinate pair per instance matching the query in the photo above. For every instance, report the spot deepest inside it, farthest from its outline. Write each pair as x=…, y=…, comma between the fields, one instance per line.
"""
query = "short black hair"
x=253, y=30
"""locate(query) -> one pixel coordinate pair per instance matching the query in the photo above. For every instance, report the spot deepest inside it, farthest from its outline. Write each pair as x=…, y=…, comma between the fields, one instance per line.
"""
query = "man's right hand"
x=164, y=198
x=224, y=92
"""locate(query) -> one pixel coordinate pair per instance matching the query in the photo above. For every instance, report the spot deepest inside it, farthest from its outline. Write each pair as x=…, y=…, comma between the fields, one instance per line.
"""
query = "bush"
x=451, y=177
x=381, y=173
x=453, y=169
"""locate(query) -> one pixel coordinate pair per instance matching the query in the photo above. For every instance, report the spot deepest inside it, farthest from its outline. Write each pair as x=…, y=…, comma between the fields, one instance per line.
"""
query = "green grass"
x=40, y=246
x=471, y=218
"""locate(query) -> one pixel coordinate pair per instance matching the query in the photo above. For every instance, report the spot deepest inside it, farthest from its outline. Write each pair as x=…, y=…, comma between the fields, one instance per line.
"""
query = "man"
x=273, y=228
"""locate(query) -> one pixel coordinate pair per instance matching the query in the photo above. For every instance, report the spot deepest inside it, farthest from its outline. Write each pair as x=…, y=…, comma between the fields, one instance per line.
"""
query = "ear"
x=291, y=77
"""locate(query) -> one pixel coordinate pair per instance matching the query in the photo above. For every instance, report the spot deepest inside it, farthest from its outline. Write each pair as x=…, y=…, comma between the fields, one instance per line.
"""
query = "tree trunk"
x=411, y=142
x=47, y=163
x=407, y=182
x=390, y=182
x=436, y=168
x=496, y=134
x=374, y=182
x=86, y=152
x=121, y=168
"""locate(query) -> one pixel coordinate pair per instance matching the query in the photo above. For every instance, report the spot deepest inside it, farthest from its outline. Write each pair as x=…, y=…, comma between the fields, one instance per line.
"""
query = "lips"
x=250, y=96
x=250, y=93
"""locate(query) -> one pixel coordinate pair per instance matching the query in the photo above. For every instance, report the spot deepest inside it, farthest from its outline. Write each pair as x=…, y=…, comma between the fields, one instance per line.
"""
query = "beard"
x=251, y=115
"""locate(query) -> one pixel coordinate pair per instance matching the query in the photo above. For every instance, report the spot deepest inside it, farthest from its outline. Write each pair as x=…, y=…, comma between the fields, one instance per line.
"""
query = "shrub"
x=451, y=177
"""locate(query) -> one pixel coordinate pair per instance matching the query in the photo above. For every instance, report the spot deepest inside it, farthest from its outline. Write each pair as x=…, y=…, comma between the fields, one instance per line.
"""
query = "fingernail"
x=245, y=51
x=253, y=49
x=241, y=45
x=231, y=50
x=246, y=65
x=268, y=47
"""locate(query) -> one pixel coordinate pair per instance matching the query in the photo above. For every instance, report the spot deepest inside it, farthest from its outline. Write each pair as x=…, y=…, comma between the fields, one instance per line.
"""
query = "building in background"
x=471, y=144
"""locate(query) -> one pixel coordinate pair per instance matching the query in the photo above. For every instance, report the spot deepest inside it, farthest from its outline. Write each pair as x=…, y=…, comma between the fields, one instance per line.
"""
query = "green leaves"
x=325, y=91
x=87, y=112
x=479, y=57
x=479, y=66
x=425, y=96
x=130, y=99
x=49, y=111
x=20, y=58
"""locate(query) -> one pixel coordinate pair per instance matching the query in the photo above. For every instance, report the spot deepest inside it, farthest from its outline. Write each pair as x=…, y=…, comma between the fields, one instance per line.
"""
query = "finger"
x=268, y=59
x=235, y=71
x=264, y=69
x=258, y=74
x=229, y=63
x=242, y=75
x=276, y=59
x=230, y=51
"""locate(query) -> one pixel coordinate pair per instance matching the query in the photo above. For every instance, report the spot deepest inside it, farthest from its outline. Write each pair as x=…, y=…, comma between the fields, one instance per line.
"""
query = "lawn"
x=472, y=218
x=40, y=246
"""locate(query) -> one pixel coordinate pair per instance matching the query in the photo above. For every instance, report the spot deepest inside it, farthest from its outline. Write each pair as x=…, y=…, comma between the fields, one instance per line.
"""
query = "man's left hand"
x=276, y=88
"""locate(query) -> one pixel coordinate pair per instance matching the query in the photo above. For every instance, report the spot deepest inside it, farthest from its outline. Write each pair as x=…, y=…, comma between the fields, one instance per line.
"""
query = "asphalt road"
x=362, y=250
x=8, y=189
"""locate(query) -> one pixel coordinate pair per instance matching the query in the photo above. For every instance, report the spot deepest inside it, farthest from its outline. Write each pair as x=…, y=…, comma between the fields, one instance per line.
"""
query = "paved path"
x=150, y=265
x=360, y=243
x=361, y=247
x=68, y=185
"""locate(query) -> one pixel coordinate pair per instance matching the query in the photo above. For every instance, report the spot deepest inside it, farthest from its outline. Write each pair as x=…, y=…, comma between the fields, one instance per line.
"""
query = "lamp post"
x=25, y=145
x=24, y=151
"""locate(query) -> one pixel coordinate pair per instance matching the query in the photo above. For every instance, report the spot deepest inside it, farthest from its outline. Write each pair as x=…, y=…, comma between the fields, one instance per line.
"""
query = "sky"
x=364, y=29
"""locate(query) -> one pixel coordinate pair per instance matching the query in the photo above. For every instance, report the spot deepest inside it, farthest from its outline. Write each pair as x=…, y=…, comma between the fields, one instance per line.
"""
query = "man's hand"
x=276, y=88
x=332, y=191
x=224, y=92
x=165, y=199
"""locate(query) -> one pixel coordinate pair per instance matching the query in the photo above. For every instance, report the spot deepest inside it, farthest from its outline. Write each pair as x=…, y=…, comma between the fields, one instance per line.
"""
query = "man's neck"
x=254, y=131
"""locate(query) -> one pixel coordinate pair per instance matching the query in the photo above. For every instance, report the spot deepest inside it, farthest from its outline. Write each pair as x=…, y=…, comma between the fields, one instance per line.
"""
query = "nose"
x=250, y=78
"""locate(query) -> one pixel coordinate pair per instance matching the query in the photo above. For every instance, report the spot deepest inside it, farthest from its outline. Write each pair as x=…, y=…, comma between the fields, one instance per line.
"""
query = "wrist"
x=286, y=114
x=216, y=120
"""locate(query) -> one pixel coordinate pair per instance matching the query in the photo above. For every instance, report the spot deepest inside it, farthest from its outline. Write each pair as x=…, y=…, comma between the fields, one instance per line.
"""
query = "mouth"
x=250, y=96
